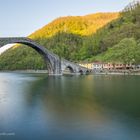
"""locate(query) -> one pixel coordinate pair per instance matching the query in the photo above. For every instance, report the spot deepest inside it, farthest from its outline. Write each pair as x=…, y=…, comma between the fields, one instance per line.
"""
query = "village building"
x=87, y=65
x=100, y=66
x=123, y=66
x=108, y=66
x=97, y=66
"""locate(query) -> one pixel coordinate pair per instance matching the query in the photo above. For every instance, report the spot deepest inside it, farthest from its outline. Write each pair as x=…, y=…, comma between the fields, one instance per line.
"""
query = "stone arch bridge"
x=55, y=64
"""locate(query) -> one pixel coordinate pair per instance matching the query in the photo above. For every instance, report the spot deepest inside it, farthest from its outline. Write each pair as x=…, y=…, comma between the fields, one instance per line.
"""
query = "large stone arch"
x=52, y=61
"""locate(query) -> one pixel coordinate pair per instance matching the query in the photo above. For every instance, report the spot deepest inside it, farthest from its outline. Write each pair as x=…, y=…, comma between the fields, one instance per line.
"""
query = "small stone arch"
x=69, y=69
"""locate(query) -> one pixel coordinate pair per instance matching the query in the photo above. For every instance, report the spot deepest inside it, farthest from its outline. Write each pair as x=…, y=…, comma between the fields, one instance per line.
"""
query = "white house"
x=97, y=66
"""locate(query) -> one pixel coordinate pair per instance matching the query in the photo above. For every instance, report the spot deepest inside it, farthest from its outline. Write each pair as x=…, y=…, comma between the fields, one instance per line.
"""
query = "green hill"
x=119, y=41
x=64, y=36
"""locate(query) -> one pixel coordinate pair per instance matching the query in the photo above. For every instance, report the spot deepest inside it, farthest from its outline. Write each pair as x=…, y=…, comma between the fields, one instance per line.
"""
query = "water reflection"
x=87, y=93
x=77, y=107
x=87, y=101
x=65, y=98
x=120, y=93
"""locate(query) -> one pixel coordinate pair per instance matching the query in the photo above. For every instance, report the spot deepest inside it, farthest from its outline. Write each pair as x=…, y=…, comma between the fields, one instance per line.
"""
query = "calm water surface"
x=38, y=107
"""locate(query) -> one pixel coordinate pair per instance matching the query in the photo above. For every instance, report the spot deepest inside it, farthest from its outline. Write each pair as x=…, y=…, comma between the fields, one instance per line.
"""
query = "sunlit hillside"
x=80, y=25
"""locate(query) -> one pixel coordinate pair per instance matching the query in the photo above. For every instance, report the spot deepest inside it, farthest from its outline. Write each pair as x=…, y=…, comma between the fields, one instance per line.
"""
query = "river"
x=91, y=107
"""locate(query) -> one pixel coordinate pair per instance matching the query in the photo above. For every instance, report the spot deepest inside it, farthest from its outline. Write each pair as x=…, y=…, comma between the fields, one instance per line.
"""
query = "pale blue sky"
x=22, y=17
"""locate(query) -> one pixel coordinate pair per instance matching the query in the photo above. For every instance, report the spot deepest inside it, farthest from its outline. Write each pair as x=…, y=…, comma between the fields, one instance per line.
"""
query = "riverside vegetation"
x=107, y=37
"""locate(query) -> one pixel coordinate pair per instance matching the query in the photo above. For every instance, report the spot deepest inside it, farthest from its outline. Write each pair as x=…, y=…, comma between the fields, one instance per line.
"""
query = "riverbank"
x=125, y=72
x=118, y=72
x=27, y=71
x=101, y=73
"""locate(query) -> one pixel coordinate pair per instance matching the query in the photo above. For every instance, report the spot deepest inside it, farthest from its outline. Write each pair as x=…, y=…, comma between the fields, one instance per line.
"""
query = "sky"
x=22, y=17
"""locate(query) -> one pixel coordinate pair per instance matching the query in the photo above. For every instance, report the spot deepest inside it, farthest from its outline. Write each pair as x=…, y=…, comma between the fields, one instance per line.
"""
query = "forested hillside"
x=69, y=37
x=80, y=25
x=119, y=41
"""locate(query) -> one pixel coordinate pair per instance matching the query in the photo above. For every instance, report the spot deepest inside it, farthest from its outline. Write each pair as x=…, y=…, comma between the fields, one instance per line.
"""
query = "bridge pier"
x=55, y=66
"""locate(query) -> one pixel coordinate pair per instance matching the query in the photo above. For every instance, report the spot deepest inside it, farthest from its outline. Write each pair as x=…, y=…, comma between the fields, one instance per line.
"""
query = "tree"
x=124, y=52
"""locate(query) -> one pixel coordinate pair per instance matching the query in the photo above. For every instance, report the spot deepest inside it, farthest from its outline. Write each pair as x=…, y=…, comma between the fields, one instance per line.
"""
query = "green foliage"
x=126, y=51
x=23, y=58
x=117, y=32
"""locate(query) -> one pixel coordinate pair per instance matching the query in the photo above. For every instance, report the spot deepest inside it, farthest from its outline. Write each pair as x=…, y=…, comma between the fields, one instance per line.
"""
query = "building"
x=87, y=65
x=123, y=66
x=108, y=66
x=97, y=66
x=100, y=66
